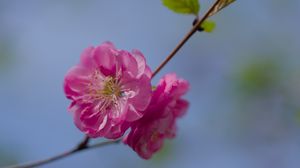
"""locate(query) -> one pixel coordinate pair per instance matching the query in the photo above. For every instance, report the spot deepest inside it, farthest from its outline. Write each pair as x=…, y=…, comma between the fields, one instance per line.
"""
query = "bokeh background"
x=245, y=85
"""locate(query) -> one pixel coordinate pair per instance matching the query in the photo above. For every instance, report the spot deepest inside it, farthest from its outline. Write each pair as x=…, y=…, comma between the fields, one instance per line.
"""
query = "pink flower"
x=159, y=122
x=109, y=89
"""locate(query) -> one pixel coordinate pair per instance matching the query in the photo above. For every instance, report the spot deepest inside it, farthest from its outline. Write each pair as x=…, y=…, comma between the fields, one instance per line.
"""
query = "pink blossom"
x=109, y=89
x=159, y=122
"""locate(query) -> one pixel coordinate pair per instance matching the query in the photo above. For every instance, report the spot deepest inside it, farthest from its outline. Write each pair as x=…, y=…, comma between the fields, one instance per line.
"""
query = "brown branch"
x=83, y=144
x=80, y=147
x=186, y=38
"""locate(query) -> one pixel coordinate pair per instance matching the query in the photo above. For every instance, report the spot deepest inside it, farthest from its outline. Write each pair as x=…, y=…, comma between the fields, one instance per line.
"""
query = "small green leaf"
x=208, y=26
x=183, y=6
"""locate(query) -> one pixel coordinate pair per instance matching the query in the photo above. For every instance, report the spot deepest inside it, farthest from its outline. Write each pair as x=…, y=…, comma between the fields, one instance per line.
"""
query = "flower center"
x=106, y=92
x=111, y=88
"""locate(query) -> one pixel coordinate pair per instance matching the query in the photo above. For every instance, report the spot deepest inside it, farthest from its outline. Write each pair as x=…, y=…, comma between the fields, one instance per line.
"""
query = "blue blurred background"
x=245, y=85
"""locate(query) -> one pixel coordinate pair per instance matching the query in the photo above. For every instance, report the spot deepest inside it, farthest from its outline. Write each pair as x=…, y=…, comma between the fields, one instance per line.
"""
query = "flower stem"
x=83, y=145
x=186, y=38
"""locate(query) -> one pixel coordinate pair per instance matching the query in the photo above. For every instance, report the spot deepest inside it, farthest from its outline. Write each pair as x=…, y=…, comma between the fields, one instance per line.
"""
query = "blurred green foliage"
x=6, y=55
x=297, y=116
x=164, y=153
x=259, y=76
x=7, y=158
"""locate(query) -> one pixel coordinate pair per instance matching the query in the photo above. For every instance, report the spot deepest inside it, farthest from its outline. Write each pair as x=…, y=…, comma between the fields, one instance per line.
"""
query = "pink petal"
x=105, y=58
x=133, y=114
x=128, y=63
x=118, y=111
x=140, y=90
x=180, y=107
x=86, y=59
x=76, y=81
x=143, y=68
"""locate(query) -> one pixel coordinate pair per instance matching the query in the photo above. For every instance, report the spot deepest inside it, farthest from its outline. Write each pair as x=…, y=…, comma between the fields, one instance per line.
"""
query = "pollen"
x=111, y=87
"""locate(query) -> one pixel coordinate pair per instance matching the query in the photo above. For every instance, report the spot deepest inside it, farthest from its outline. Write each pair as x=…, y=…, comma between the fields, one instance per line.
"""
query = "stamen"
x=105, y=91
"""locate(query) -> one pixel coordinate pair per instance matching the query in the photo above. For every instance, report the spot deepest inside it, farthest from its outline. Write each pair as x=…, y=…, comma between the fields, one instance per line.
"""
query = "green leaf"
x=208, y=26
x=183, y=6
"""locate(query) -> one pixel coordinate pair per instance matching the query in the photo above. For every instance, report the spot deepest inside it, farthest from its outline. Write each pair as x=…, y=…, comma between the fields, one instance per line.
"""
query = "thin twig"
x=185, y=38
x=83, y=144
x=77, y=149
